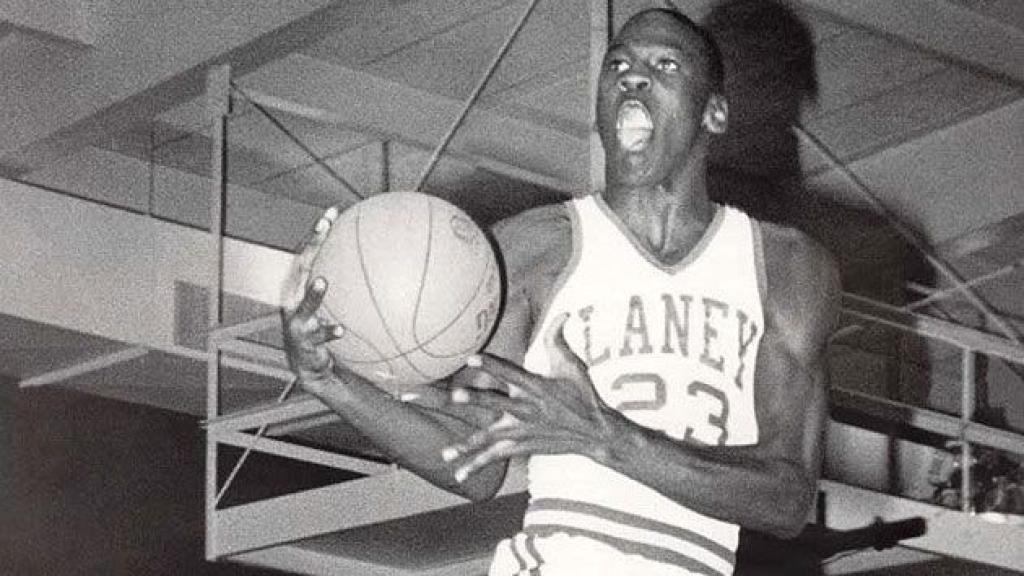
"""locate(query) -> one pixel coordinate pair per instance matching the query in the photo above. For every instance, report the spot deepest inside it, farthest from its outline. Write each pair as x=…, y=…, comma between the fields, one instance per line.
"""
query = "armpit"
x=535, y=244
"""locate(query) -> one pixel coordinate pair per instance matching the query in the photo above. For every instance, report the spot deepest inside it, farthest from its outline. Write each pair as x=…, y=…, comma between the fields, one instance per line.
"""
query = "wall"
x=90, y=486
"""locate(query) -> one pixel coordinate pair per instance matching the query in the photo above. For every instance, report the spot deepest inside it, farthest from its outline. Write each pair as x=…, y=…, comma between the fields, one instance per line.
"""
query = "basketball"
x=414, y=282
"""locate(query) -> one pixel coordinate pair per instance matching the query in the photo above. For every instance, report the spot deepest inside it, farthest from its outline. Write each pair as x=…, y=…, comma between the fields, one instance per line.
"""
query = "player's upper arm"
x=800, y=314
x=534, y=246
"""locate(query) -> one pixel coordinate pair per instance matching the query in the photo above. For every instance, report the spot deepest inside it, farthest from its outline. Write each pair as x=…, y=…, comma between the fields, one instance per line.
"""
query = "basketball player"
x=660, y=360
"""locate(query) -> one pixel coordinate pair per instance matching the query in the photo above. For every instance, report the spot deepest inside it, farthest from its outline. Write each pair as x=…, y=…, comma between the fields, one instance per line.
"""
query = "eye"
x=667, y=65
x=618, y=65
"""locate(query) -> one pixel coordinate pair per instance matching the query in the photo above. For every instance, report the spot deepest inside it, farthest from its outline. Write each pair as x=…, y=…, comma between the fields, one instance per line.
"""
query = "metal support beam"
x=933, y=295
x=474, y=96
x=950, y=533
x=218, y=91
x=912, y=237
x=104, y=361
x=927, y=420
x=304, y=453
x=371, y=501
x=960, y=336
x=966, y=413
x=292, y=559
x=253, y=350
x=505, y=168
x=221, y=333
x=286, y=412
x=366, y=501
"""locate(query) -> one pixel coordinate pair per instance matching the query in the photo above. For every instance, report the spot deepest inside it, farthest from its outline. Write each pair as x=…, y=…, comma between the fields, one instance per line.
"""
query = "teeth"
x=633, y=125
x=633, y=116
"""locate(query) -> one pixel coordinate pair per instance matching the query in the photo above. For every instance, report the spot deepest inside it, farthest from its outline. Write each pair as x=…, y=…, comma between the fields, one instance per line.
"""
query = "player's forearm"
x=733, y=484
x=412, y=436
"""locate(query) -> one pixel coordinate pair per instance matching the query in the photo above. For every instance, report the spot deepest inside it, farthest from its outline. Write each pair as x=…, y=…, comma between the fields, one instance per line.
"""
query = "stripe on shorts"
x=519, y=557
x=531, y=548
x=652, y=553
x=634, y=521
x=531, y=561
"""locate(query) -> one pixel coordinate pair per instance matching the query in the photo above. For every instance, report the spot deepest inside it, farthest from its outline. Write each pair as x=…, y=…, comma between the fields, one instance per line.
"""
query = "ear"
x=716, y=114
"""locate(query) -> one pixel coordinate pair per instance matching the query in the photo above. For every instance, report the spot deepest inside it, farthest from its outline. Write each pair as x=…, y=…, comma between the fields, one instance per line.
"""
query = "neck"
x=669, y=217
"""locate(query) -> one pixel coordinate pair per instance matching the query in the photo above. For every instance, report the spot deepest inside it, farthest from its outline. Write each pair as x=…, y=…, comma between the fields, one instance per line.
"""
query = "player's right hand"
x=306, y=332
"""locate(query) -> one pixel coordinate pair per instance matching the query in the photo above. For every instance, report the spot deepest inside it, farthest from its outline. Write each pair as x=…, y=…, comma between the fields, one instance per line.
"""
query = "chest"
x=676, y=361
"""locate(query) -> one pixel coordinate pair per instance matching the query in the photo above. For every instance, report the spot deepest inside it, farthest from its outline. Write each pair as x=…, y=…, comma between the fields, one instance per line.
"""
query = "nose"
x=634, y=82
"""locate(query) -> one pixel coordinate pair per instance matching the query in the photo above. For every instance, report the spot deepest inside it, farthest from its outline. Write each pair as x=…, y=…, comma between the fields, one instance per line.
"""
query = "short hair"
x=716, y=69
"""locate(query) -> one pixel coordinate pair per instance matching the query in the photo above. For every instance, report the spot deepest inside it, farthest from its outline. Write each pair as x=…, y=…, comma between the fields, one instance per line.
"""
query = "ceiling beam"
x=151, y=55
x=1006, y=231
x=329, y=93
x=70, y=21
x=948, y=30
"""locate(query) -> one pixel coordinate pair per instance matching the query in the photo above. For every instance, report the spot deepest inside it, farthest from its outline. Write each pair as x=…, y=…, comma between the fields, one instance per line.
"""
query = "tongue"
x=633, y=139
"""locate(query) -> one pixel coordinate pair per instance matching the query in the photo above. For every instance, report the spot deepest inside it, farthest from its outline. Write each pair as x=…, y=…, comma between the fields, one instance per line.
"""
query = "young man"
x=661, y=356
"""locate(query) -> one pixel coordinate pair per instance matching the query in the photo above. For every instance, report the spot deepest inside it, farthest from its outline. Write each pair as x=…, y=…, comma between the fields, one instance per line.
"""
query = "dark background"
x=95, y=486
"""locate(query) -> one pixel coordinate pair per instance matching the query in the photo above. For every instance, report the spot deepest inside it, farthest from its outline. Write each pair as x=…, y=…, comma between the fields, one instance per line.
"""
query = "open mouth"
x=633, y=125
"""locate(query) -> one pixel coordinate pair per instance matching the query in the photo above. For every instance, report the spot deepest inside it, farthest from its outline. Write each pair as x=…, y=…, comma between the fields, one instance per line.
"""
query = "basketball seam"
x=423, y=278
x=419, y=299
x=361, y=338
x=423, y=346
x=334, y=317
x=373, y=297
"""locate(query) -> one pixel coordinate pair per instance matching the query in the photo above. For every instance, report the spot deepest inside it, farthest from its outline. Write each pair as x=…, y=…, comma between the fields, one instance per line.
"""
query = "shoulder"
x=535, y=242
x=803, y=286
x=534, y=247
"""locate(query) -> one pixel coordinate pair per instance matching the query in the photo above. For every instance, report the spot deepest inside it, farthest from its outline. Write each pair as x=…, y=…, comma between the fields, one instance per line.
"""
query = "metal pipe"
x=432, y=163
x=928, y=326
x=936, y=295
x=270, y=101
x=218, y=95
x=298, y=142
x=252, y=444
x=966, y=412
x=911, y=237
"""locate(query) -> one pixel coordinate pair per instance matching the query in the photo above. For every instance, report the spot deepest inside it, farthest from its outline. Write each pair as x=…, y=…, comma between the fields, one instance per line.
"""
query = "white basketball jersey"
x=673, y=348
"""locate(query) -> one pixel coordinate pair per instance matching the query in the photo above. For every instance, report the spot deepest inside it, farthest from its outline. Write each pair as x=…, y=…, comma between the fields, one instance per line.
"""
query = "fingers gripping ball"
x=415, y=284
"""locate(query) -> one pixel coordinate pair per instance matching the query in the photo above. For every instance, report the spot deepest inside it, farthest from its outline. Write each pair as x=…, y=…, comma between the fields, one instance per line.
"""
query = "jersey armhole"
x=563, y=276
x=759, y=262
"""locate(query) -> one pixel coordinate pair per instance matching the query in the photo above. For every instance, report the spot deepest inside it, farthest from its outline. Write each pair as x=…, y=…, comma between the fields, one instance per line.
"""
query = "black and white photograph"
x=512, y=287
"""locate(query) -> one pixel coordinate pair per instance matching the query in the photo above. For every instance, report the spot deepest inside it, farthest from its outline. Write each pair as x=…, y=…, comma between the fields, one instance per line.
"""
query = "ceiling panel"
x=397, y=27
x=564, y=93
x=453, y=62
x=1009, y=12
x=909, y=110
x=858, y=66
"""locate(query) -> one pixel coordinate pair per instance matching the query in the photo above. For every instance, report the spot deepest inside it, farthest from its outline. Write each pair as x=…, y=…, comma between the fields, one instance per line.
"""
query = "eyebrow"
x=617, y=46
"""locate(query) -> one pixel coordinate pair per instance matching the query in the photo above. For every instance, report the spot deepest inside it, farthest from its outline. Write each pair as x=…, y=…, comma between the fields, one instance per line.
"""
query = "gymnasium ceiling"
x=922, y=98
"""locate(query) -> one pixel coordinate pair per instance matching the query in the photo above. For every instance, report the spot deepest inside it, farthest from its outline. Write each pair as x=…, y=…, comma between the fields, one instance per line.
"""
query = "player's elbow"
x=479, y=487
x=792, y=505
x=788, y=527
x=479, y=494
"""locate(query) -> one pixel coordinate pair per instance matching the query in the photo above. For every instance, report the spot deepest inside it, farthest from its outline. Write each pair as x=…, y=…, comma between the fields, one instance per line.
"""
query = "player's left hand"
x=559, y=414
x=306, y=332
